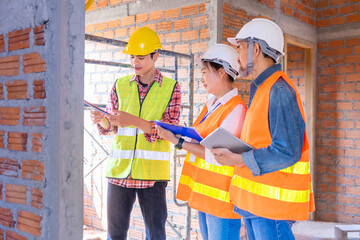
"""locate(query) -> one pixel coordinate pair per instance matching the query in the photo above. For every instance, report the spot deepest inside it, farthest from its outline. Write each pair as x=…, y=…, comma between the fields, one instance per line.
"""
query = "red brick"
x=322, y=45
x=199, y=21
x=2, y=43
x=204, y=33
x=126, y=21
x=172, y=13
x=189, y=35
x=322, y=3
x=114, y=23
x=16, y=194
x=33, y=170
x=9, y=66
x=164, y=26
x=328, y=71
x=352, y=42
x=9, y=116
x=335, y=60
x=115, y=2
x=39, y=89
x=101, y=26
x=102, y=3
x=19, y=39
x=172, y=37
x=228, y=33
x=181, y=24
x=189, y=10
x=14, y=236
x=120, y=32
x=323, y=23
x=202, y=7
x=347, y=9
x=17, y=89
x=141, y=18
x=228, y=9
x=352, y=134
x=352, y=59
x=33, y=63
x=354, y=18
x=89, y=28
x=330, y=12
x=338, y=20
x=345, y=69
x=182, y=48
x=156, y=15
x=17, y=141
x=344, y=106
x=34, y=116
x=6, y=217
x=9, y=167
x=29, y=222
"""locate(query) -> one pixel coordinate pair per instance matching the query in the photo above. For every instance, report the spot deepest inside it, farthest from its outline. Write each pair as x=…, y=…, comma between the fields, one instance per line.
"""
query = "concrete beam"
x=289, y=25
x=349, y=30
x=134, y=8
x=106, y=14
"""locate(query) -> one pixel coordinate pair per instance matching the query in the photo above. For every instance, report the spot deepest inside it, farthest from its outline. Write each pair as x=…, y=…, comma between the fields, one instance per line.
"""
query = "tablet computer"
x=221, y=138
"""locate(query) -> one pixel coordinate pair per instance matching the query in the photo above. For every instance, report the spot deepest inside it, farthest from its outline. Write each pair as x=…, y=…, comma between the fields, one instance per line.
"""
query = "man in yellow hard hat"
x=139, y=161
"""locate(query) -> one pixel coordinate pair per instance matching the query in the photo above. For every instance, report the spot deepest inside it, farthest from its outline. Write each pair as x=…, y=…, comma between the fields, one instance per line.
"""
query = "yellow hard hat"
x=143, y=42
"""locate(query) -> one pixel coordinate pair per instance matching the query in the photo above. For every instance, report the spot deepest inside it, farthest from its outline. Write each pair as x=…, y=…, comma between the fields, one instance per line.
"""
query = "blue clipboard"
x=180, y=130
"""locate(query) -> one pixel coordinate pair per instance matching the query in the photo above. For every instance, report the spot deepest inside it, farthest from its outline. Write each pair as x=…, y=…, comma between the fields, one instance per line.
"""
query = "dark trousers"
x=153, y=208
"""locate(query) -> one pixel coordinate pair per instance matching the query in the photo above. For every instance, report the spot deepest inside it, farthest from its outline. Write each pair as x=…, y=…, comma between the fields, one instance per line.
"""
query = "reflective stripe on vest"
x=129, y=131
x=144, y=154
x=203, y=185
x=130, y=152
x=204, y=189
x=284, y=194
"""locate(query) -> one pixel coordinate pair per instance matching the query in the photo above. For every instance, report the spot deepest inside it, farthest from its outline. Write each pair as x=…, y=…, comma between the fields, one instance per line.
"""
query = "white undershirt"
x=232, y=123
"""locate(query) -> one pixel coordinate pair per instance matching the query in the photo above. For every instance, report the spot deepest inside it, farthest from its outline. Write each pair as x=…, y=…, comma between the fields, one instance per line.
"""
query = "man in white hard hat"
x=271, y=186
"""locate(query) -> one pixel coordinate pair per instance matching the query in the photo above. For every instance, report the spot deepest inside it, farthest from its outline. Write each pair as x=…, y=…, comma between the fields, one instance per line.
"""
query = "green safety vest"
x=130, y=152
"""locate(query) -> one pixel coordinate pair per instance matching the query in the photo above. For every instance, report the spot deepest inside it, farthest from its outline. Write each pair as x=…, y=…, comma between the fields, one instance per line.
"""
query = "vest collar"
x=266, y=74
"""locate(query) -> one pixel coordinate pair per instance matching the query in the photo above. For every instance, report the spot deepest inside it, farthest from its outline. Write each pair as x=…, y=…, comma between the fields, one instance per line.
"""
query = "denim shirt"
x=286, y=125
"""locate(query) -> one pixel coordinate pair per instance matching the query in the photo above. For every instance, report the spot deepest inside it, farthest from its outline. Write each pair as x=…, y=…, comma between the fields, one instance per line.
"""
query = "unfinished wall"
x=37, y=102
x=338, y=111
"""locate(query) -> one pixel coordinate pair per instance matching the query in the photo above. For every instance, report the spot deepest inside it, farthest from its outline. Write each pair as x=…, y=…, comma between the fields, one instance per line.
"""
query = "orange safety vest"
x=284, y=194
x=203, y=185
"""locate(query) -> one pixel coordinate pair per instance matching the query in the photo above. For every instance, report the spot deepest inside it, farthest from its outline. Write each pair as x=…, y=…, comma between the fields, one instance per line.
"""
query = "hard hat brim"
x=233, y=41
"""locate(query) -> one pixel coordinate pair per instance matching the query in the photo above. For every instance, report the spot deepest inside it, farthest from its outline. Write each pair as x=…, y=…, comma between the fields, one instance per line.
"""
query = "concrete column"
x=64, y=146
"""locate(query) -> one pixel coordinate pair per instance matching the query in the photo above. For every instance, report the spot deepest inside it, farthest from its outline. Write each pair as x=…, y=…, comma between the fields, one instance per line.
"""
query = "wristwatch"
x=180, y=143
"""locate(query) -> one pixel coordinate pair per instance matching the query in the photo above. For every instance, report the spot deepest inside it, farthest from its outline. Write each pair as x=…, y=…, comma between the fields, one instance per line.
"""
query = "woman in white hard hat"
x=204, y=183
x=271, y=186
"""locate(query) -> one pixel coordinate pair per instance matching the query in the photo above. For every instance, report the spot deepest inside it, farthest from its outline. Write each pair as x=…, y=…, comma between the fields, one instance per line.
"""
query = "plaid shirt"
x=171, y=115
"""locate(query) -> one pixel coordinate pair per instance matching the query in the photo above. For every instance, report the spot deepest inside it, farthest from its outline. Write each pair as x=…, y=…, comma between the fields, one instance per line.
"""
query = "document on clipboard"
x=180, y=130
x=221, y=138
x=96, y=108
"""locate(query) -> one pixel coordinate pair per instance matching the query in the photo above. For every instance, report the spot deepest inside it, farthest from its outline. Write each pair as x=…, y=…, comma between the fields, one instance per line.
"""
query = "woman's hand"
x=167, y=135
x=225, y=157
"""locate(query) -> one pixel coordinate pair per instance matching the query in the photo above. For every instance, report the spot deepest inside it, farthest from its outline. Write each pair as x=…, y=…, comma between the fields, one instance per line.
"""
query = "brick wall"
x=333, y=13
x=337, y=130
x=185, y=30
x=296, y=68
x=22, y=120
x=303, y=11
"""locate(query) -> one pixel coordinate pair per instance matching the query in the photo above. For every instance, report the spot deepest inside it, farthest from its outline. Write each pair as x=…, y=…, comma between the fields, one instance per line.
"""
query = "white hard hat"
x=262, y=29
x=224, y=55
